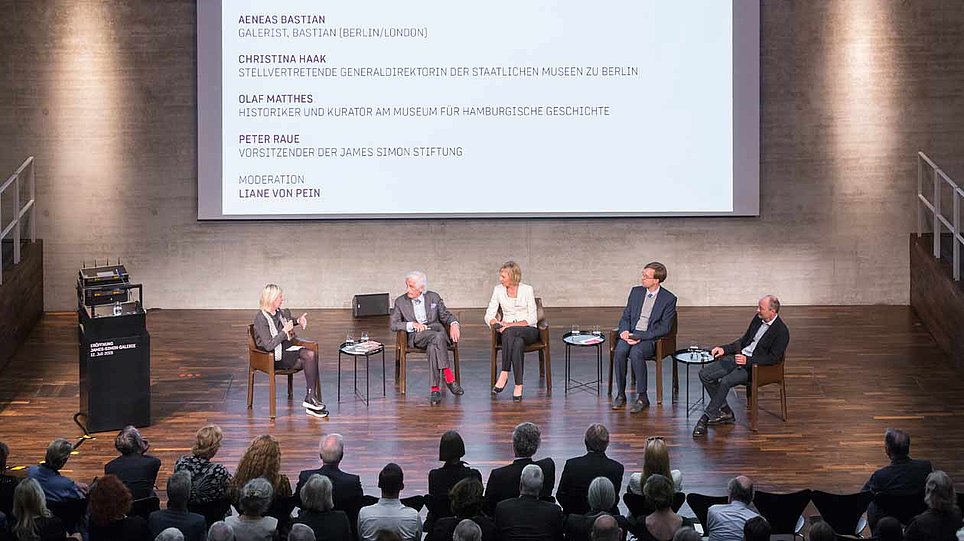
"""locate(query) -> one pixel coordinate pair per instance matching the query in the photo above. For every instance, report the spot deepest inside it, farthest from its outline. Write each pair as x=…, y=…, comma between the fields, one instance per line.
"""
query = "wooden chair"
x=761, y=375
x=665, y=347
x=403, y=350
x=541, y=345
x=263, y=361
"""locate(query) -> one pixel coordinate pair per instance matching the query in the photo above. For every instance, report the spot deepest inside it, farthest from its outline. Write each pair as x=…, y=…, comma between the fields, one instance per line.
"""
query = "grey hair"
x=530, y=483
x=605, y=528
x=897, y=442
x=526, y=438
x=170, y=534
x=179, y=489
x=316, y=494
x=740, y=489
x=467, y=530
x=57, y=453
x=301, y=532
x=602, y=495
x=774, y=303
x=939, y=492
x=635, y=484
x=220, y=531
x=129, y=441
x=256, y=497
x=418, y=277
x=687, y=533
x=332, y=448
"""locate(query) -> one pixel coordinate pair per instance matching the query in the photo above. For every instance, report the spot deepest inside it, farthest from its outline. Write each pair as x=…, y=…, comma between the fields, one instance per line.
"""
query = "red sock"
x=449, y=376
x=436, y=388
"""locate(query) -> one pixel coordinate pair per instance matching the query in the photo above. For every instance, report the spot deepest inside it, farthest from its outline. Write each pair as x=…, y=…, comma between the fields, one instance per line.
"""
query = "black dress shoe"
x=496, y=389
x=619, y=402
x=455, y=388
x=436, y=398
x=517, y=398
x=723, y=418
x=700, y=429
x=638, y=406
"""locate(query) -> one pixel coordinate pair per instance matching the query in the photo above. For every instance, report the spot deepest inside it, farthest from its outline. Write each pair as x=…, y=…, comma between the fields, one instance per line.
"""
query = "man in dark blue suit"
x=649, y=316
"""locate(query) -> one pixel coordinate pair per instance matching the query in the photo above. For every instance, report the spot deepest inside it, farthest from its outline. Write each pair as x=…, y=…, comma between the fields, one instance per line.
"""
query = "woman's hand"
x=288, y=327
x=303, y=321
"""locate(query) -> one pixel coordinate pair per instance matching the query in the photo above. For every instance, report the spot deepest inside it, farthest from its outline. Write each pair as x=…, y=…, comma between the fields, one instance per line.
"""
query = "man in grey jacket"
x=423, y=315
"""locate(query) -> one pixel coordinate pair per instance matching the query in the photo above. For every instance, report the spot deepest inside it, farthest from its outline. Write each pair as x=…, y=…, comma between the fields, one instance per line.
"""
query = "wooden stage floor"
x=852, y=372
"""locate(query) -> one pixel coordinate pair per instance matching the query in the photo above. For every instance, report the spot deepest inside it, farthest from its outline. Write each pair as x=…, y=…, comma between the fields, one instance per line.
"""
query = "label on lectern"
x=109, y=347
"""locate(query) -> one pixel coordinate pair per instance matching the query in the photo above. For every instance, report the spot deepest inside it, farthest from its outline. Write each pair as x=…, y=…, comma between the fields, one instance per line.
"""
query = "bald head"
x=332, y=449
x=605, y=528
x=740, y=489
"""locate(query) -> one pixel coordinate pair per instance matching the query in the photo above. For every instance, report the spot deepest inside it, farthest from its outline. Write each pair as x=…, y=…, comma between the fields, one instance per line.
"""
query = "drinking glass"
x=364, y=336
x=596, y=331
x=350, y=339
x=575, y=328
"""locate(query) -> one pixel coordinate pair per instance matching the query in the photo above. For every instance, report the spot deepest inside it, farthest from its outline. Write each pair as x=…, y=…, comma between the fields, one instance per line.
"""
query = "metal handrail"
x=26, y=170
x=939, y=180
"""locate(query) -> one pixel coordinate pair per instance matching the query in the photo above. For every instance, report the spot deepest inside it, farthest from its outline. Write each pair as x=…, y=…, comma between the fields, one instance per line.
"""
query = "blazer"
x=445, y=527
x=138, y=472
x=660, y=320
x=192, y=525
x=525, y=297
x=504, y=482
x=902, y=475
x=441, y=480
x=346, y=490
x=771, y=347
x=579, y=473
x=435, y=312
x=528, y=519
x=328, y=525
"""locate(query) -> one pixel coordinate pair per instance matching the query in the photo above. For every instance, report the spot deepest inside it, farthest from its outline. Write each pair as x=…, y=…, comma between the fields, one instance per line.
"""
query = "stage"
x=851, y=373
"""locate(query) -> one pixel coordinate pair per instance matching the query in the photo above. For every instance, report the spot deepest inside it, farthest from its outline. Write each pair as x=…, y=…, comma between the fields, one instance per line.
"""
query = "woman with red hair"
x=109, y=502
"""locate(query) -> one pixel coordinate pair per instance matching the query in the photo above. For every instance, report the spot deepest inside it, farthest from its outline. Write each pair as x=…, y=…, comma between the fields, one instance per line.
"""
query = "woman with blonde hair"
x=655, y=460
x=274, y=332
x=31, y=519
x=261, y=459
x=518, y=326
x=209, y=480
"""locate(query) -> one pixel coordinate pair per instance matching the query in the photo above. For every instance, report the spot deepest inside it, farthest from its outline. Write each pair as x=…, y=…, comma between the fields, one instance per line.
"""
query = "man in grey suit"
x=423, y=315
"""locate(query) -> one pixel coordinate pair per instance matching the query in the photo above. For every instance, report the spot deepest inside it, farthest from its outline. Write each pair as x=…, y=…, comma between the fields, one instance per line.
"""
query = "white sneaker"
x=321, y=414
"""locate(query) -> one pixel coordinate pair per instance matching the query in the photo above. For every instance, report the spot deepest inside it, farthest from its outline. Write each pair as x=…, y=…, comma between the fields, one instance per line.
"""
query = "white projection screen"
x=437, y=109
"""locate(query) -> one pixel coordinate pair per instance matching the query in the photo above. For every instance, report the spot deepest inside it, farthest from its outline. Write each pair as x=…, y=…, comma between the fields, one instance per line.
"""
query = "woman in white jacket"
x=517, y=328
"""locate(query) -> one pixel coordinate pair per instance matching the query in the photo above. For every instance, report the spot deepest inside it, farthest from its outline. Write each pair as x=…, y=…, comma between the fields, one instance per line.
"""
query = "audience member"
x=821, y=531
x=209, y=480
x=389, y=513
x=346, y=490
x=601, y=499
x=687, y=534
x=318, y=513
x=451, y=449
x=943, y=518
x=176, y=515
x=301, y=532
x=56, y=487
x=220, y=531
x=466, y=502
x=655, y=460
x=903, y=475
x=725, y=522
x=170, y=534
x=889, y=529
x=662, y=523
x=138, y=471
x=263, y=459
x=580, y=471
x=7, y=482
x=254, y=499
x=526, y=517
x=758, y=529
x=605, y=528
x=467, y=530
x=387, y=535
x=504, y=482
x=108, y=504
x=30, y=518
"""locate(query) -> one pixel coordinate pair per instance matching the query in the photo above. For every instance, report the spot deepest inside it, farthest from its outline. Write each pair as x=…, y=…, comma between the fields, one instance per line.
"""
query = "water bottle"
x=117, y=309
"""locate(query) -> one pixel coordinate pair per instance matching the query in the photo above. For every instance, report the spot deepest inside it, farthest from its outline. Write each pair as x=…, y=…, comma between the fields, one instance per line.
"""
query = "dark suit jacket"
x=191, y=525
x=504, y=482
x=440, y=482
x=346, y=490
x=327, y=525
x=138, y=472
x=771, y=347
x=903, y=475
x=445, y=527
x=528, y=519
x=435, y=312
x=934, y=525
x=660, y=320
x=579, y=473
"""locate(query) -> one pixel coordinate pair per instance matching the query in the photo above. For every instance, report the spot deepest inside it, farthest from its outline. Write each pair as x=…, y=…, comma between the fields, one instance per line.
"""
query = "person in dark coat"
x=451, y=449
x=527, y=518
x=504, y=482
x=318, y=513
x=137, y=470
x=346, y=490
x=579, y=472
x=192, y=525
x=466, y=503
x=943, y=518
x=902, y=476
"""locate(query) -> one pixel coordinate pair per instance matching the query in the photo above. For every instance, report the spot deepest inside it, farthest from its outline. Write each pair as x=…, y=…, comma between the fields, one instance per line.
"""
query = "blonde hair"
x=656, y=459
x=269, y=294
x=208, y=441
x=515, y=271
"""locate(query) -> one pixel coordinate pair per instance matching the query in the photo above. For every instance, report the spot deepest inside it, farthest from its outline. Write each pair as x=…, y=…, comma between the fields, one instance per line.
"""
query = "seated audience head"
x=391, y=480
x=109, y=500
x=208, y=441
x=526, y=438
x=821, y=531
x=29, y=504
x=889, y=529
x=597, y=438
x=601, y=495
x=939, y=492
x=316, y=494
x=510, y=274
x=4, y=453
x=170, y=534
x=465, y=498
x=605, y=528
x=57, y=453
x=740, y=489
x=130, y=442
x=220, y=531
x=467, y=530
x=332, y=449
x=387, y=535
x=269, y=295
x=255, y=498
x=301, y=532
x=757, y=529
x=896, y=443
x=178, y=490
x=656, y=458
x=261, y=459
x=635, y=484
x=687, y=534
x=451, y=448
x=530, y=483
x=659, y=492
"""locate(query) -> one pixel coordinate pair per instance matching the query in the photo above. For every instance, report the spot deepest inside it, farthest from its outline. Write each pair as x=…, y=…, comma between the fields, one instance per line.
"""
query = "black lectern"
x=115, y=350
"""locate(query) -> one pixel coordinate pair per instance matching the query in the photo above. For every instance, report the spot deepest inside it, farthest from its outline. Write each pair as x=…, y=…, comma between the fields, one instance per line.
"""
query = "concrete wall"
x=103, y=94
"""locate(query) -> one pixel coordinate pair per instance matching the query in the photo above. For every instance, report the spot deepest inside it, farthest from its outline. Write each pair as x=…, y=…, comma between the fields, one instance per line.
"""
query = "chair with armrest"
x=541, y=345
x=260, y=360
x=665, y=347
x=403, y=350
